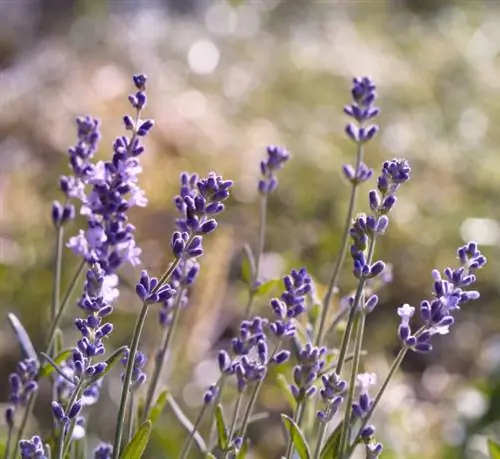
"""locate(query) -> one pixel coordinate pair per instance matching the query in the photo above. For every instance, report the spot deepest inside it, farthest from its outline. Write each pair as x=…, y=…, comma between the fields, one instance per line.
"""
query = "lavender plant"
x=324, y=382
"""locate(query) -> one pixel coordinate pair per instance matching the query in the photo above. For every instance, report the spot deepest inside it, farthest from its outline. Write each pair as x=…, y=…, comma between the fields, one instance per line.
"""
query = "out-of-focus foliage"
x=226, y=80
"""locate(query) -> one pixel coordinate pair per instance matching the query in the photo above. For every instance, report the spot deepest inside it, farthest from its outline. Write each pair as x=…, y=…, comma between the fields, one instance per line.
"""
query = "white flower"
x=406, y=313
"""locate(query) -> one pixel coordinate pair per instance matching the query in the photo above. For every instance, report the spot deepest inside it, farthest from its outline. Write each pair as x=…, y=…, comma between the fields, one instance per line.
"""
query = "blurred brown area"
x=225, y=81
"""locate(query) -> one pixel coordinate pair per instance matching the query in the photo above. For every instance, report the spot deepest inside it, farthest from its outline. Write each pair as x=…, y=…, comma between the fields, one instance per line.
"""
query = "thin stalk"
x=189, y=440
x=55, y=324
x=260, y=250
x=9, y=441
x=130, y=417
x=343, y=251
x=160, y=360
x=234, y=420
x=24, y=422
x=358, y=343
x=56, y=291
x=394, y=367
x=212, y=430
x=60, y=443
x=297, y=416
x=353, y=312
x=253, y=397
x=250, y=407
x=69, y=433
x=139, y=325
x=321, y=438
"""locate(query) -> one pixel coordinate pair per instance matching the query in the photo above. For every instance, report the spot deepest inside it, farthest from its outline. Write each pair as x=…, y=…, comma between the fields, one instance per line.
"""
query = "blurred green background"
x=226, y=79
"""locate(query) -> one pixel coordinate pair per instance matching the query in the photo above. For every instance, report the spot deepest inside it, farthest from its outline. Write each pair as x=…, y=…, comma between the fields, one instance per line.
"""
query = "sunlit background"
x=226, y=79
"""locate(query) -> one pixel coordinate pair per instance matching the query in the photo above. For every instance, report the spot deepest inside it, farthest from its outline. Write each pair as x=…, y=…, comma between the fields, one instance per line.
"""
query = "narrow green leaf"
x=242, y=453
x=158, y=407
x=47, y=369
x=23, y=338
x=332, y=444
x=135, y=449
x=493, y=449
x=298, y=439
x=186, y=423
x=222, y=436
x=111, y=361
x=266, y=287
x=3, y=447
x=248, y=265
x=285, y=388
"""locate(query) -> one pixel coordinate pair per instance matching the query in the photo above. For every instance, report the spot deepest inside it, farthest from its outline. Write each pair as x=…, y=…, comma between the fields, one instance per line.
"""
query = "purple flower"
x=361, y=110
x=103, y=451
x=32, y=449
x=311, y=361
x=298, y=286
x=276, y=158
x=149, y=291
x=109, y=238
x=22, y=385
x=331, y=395
x=138, y=376
x=450, y=292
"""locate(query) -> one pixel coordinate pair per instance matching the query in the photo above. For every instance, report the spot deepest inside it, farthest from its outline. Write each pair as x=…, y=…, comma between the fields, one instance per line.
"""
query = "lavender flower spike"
x=276, y=158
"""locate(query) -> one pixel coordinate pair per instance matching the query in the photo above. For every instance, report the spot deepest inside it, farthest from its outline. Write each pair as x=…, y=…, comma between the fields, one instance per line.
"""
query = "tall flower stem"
x=394, y=368
x=62, y=308
x=296, y=417
x=258, y=256
x=189, y=440
x=56, y=291
x=343, y=251
x=352, y=313
x=50, y=342
x=136, y=336
x=234, y=420
x=9, y=441
x=61, y=453
x=358, y=343
x=160, y=359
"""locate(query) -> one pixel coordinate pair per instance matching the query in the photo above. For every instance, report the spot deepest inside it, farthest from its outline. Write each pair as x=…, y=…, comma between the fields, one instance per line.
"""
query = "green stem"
x=358, y=343
x=343, y=251
x=130, y=417
x=139, y=325
x=234, y=420
x=353, y=312
x=189, y=440
x=60, y=443
x=9, y=441
x=63, y=305
x=57, y=274
x=213, y=430
x=160, y=359
x=69, y=434
x=24, y=422
x=297, y=416
x=260, y=250
x=321, y=438
x=394, y=367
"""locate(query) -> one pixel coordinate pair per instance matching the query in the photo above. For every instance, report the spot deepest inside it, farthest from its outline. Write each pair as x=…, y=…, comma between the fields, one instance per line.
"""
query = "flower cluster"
x=109, y=238
x=22, y=385
x=32, y=449
x=276, y=158
x=331, y=395
x=298, y=285
x=362, y=110
x=138, y=376
x=449, y=295
x=361, y=408
x=311, y=360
